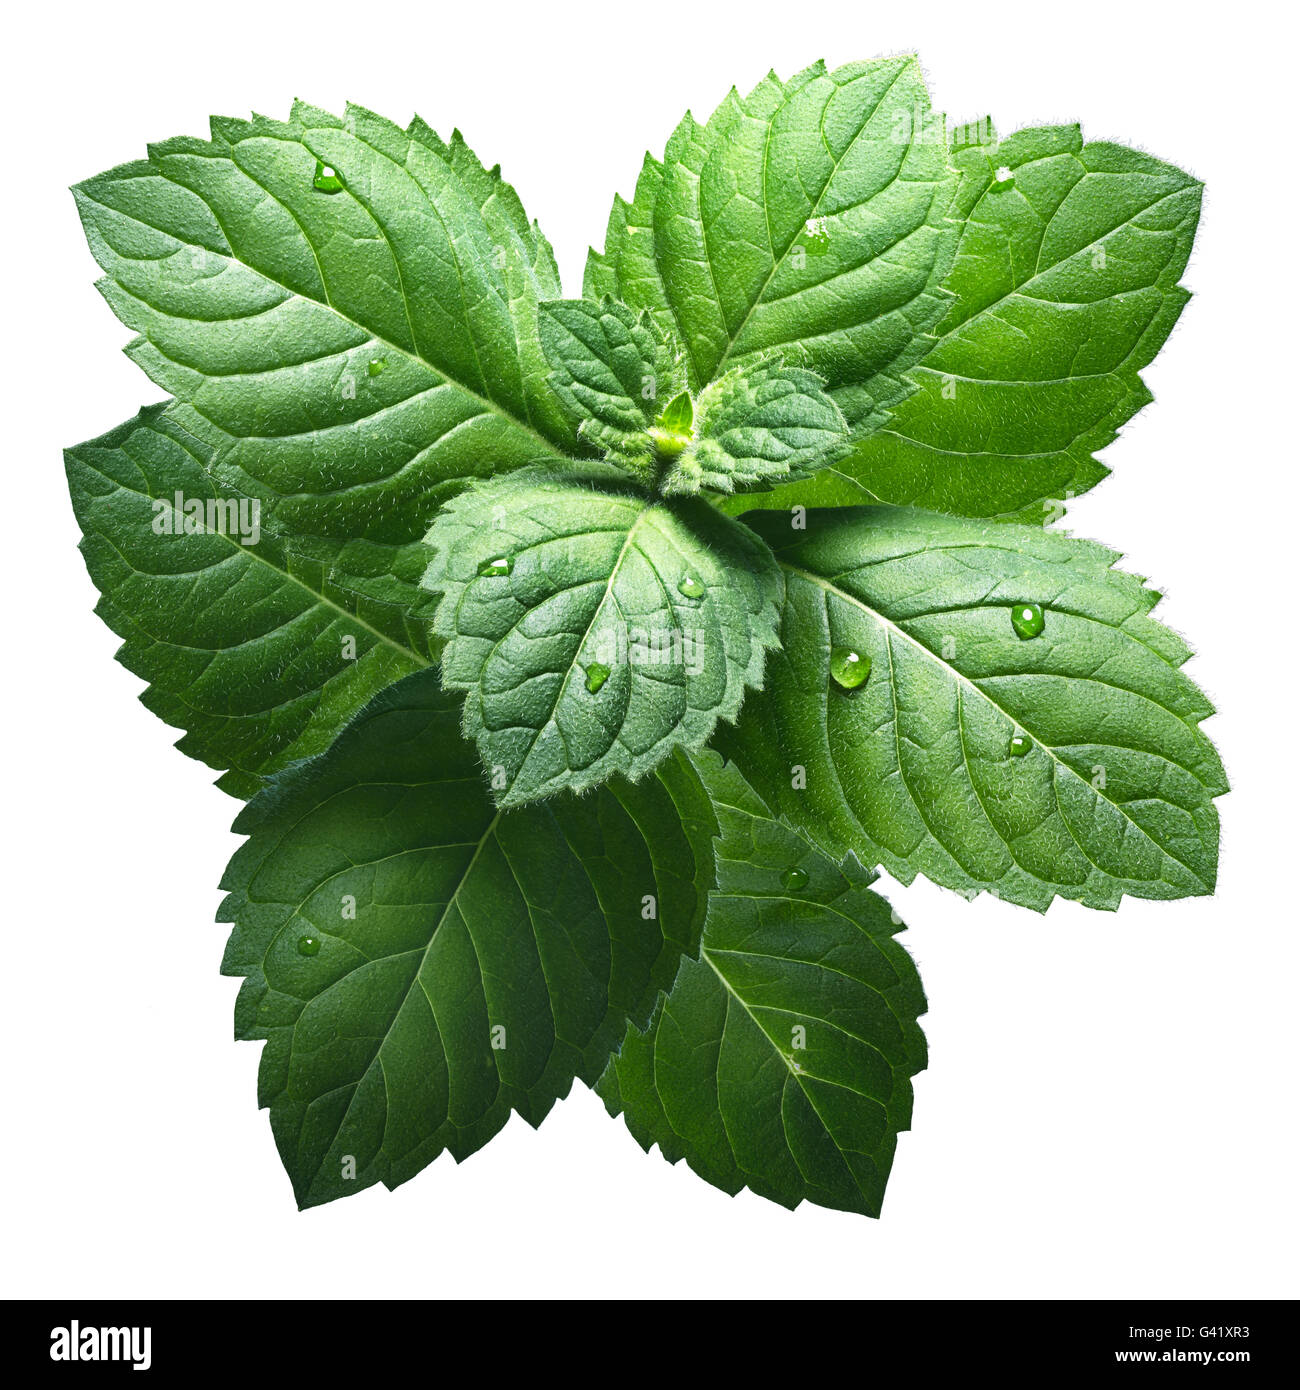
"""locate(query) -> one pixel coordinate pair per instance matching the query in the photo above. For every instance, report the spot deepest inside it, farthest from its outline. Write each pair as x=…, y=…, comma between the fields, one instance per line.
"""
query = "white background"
x=1110, y=1108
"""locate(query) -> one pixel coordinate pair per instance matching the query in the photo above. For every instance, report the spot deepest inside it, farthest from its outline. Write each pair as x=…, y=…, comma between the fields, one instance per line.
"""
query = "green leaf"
x=421, y=964
x=258, y=649
x=594, y=628
x=367, y=348
x=757, y=426
x=610, y=368
x=754, y=426
x=781, y=1059
x=678, y=416
x=935, y=734
x=807, y=218
x=1065, y=286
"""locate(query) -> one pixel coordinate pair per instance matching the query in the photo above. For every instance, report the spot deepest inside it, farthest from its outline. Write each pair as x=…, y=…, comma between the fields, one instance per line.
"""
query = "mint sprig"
x=467, y=585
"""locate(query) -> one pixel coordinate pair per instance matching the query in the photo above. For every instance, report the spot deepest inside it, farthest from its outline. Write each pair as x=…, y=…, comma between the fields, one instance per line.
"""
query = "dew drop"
x=1020, y=745
x=690, y=586
x=1003, y=177
x=1027, y=619
x=492, y=569
x=795, y=878
x=597, y=675
x=308, y=945
x=377, y=366
x=327, y=179
x=849, y=669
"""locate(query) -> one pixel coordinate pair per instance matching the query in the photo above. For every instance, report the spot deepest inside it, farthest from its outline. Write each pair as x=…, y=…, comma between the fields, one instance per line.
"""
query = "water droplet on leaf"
x=1020, y=745
x=327, y=179
x=377, y=366
x=794, y=878
x=690, y=586
x=597, y=675
x=1003, y=177
x=491, y=569
x=849, y=669
x=1027, y=619
x=308, y=945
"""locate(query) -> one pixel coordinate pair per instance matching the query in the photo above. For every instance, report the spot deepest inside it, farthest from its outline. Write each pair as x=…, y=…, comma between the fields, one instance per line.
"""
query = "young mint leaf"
x=592, y=627
x=756, y=426
x=611, y=368
x=1065, y=286
x=258, y=650
x=991, y=707
x=367, y=347
x=807, y=218
x=421, y=964
x=678, y=416
x=781, y=1059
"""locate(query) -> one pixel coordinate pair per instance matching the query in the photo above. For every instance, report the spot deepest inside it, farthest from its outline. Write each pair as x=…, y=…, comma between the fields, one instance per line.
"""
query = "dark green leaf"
x=781, y=1060
x=261, y=651
x=421, y=964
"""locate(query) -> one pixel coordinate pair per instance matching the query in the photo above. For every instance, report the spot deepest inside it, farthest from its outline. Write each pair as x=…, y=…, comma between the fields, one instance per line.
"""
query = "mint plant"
x=580, y=660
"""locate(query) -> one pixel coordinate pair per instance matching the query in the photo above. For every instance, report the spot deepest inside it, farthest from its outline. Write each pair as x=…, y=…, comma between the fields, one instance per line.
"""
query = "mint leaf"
x=421, y=964
x=260, y=651
x=611, y=368
x=367, y=347
x=592, y=627
x=807, y=218
x=781, y=1060
x=1065, y=286
x=678, y=416
x=993, y=708
x=753, y=426
x=756, y=426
